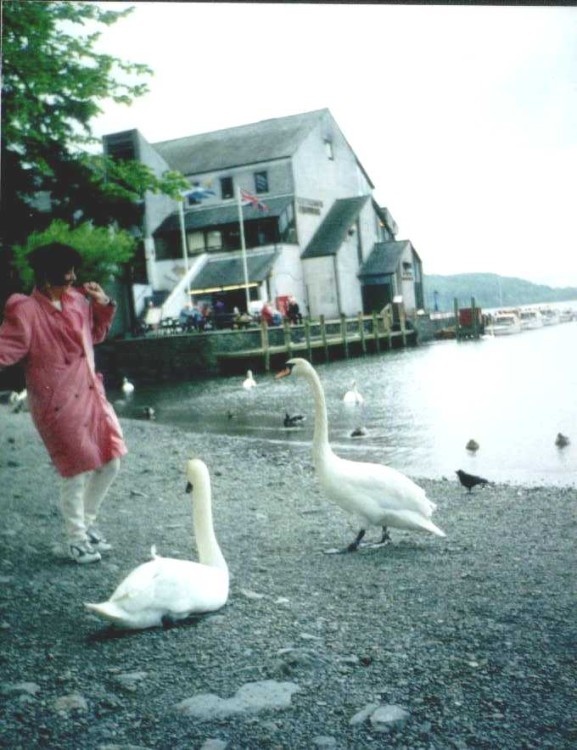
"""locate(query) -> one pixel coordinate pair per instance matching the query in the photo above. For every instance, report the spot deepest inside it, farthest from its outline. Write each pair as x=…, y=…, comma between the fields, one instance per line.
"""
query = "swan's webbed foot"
x=354, y=545
x=385, y=537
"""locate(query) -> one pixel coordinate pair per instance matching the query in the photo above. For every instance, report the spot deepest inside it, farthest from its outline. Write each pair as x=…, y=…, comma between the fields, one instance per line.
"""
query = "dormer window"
x=261, y=182
x=226, y=188
x=329, y=149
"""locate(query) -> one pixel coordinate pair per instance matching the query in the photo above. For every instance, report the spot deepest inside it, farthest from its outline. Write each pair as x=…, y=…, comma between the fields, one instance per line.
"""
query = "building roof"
x=384, y=258
x=203, y=217
x=225, y=273
x=245, y=144
x=333, y=231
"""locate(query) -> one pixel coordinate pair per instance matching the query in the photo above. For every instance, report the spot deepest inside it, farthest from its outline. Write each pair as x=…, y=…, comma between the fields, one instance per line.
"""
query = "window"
x=195, y=243
x=213, y=240
x=261, y=182
x=329, y=149
x=226, y=188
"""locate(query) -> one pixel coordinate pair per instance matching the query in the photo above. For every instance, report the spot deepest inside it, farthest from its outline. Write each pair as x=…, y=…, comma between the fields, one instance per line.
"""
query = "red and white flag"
x=248, y=199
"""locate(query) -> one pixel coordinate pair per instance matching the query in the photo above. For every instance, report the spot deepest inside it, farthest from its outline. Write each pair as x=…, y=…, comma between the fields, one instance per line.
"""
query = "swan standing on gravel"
x=249, y=381
x=353, y=397
x=374, y=494
x=166, y=589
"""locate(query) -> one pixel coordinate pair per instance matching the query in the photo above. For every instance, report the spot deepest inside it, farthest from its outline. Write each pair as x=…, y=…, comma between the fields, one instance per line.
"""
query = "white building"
x=320, y=236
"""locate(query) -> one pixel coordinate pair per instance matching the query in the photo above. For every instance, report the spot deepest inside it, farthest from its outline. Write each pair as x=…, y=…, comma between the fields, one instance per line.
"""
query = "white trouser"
x=81, y=496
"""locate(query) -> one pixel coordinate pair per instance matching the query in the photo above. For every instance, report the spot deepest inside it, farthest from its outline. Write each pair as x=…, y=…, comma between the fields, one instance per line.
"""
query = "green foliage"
x=103, y=250
x=489, y=290
x=53, y=84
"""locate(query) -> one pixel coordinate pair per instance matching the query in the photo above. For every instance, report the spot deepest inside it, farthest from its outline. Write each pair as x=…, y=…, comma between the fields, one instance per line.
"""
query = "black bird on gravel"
x=470, y=480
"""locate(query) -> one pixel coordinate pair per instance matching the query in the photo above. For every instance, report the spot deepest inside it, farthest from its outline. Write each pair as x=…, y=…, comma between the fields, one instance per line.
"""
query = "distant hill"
x=490, y=290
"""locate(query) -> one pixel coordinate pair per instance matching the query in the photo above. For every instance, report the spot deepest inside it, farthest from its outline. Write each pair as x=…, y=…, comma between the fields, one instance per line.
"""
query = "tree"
x=53, y=83
x=103, y=250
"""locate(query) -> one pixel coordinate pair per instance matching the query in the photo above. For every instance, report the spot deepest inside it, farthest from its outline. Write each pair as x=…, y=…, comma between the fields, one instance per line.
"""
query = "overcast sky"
x=465, y=118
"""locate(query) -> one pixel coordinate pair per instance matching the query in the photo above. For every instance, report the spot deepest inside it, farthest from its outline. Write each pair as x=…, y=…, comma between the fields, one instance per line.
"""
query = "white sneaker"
x=97, y=540
x=83, y=552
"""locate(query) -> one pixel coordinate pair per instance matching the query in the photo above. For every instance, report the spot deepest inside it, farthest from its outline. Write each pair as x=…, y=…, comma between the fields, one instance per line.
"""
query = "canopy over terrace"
x=224, y=275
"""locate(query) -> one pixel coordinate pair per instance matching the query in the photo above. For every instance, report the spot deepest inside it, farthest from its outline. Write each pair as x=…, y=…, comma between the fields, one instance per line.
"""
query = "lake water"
x=512, y=394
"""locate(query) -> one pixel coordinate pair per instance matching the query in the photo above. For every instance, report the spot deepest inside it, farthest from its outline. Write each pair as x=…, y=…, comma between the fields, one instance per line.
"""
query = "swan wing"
x=171, y=586
x=371, y=489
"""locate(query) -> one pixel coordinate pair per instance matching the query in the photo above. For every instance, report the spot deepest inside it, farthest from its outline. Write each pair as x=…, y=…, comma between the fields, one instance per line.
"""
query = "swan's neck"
x=321, y=447
x=208, y=549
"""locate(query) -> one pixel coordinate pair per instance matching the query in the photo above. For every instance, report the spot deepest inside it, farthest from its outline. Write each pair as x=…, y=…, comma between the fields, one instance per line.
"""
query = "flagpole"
x=243, y=248
x=183, y=240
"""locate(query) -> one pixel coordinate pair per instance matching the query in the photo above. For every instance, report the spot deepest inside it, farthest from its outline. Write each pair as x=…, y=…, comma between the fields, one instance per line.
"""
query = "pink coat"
x=66, y=396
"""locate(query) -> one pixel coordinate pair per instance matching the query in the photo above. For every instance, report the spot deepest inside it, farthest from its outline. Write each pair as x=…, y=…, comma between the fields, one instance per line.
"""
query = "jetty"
x=170, y=353
x=319, y=340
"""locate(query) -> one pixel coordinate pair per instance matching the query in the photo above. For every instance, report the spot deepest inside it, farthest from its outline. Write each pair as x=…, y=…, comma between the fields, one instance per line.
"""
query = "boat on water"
x=530, y=319
x=549, y=316
x=503, y=324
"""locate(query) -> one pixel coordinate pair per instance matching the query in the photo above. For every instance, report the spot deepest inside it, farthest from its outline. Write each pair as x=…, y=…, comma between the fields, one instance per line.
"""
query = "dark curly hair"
x=50, y=262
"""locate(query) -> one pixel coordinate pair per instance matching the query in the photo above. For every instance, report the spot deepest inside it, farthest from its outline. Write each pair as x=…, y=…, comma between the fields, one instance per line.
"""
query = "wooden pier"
x=319, y=340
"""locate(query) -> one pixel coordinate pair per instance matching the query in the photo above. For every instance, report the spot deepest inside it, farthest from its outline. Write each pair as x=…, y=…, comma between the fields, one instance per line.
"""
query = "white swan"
x=353, y=397
x=127, y=386
x=18, y=400
x=249, y=382
x=376, y=495
x=165, y=589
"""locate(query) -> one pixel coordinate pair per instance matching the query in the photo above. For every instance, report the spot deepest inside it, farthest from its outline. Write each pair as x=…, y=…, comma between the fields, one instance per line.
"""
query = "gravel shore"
x=463, y=642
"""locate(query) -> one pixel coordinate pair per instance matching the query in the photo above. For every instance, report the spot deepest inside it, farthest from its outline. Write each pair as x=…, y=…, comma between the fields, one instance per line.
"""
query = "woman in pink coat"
x=52, y=332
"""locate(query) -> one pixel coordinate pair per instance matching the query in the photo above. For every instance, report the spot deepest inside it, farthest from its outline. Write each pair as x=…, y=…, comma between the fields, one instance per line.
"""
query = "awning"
x=224, y=274
x=383, y=261
x=203, y=217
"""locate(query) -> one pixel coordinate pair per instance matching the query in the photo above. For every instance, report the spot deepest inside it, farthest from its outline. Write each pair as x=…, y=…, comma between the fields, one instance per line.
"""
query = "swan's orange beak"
x=283, y=373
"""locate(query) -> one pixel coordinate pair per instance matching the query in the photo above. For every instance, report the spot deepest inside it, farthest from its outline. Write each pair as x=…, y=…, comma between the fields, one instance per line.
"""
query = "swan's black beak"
x=188, y=487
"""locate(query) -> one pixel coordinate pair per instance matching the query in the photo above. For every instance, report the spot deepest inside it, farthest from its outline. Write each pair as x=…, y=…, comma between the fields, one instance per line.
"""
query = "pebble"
x=250, y=698
x=68, y=703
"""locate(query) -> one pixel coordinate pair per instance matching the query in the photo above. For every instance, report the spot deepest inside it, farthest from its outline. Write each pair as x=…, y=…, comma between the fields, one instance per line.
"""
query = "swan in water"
x=127, y=386
x=249, y=381
x=353, y=397
x=374, y=494
x=164, y=589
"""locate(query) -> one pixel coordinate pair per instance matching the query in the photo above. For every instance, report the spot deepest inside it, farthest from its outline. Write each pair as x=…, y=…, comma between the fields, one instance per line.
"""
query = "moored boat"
x=503, y=323
x=530, y=319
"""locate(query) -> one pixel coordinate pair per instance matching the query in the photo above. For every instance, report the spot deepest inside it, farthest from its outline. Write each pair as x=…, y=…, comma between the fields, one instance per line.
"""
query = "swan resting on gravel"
x=164, y=589
x=374, y=494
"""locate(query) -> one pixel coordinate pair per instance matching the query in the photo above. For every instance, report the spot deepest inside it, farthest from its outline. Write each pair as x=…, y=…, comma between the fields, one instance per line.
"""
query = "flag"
x=248, y=199
x=197, y=193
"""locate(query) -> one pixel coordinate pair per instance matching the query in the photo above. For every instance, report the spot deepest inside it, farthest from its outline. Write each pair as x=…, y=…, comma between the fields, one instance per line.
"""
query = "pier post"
x=361, y=323
x=324, y=336
x=402, y=320
x=287, y=337
x=376, y=332
x=264, y=344
x=344, y=335
x=474, y=320
x=457, y=326
x=308, y=338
